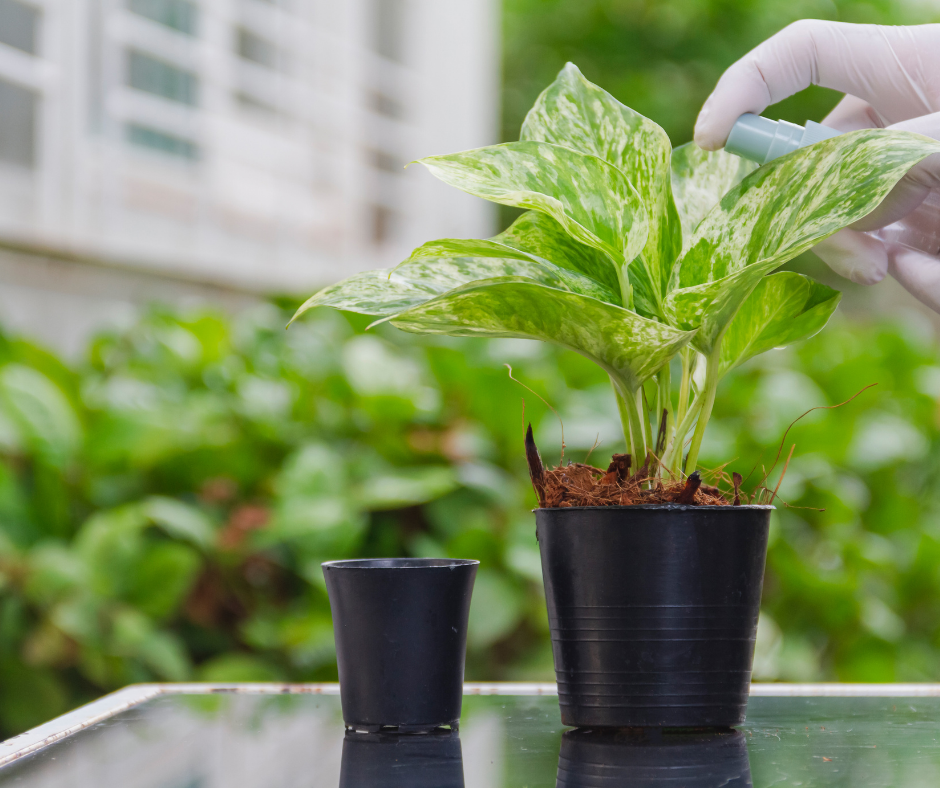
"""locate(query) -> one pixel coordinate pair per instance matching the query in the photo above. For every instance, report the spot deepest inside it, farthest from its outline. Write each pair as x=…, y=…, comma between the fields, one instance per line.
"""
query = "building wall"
x=231, y=147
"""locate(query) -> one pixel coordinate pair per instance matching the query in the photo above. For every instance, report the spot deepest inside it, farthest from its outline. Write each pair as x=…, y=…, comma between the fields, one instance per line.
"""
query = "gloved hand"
x=891, y=78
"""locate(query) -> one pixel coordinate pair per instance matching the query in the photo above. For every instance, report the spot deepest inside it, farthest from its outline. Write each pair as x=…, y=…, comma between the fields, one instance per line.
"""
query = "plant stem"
x=624, y=417
x=665, y=401
x=712, y=369
x=636, y=426
x=630, y=419
x=673, y=456
x=688, y=357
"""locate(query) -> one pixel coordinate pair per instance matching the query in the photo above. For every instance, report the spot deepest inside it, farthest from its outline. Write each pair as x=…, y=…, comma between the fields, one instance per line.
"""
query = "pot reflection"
x=637, y=759
x=395, y=760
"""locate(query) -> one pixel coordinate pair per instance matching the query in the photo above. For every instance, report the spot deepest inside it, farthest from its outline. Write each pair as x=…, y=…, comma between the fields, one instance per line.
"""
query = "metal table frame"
x=124, y=699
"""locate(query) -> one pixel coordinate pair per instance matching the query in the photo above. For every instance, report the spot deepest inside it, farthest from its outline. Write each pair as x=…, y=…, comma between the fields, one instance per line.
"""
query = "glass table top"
x=274, y=737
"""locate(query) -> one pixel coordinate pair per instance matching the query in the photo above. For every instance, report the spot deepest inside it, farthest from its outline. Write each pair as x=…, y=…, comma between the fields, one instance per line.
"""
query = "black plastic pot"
x=380, y=760
x=401, y=638
x=653, y=611
x=651, y=759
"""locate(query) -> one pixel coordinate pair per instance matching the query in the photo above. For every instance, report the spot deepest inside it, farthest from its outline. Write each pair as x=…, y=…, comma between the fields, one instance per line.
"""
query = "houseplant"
x=640, y=258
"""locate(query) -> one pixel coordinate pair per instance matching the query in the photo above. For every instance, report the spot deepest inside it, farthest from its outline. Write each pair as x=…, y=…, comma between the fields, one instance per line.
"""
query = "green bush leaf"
x=592, y=199
x=578, y=114
x=180, y=520
x=700, y=179
x=784, y=308
x=792, y=203
x=41, y=411
x=627, y=346
x=163, y=577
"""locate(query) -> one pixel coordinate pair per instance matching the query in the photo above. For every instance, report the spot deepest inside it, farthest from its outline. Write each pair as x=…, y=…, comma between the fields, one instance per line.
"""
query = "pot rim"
x=399, y=563
x=663, y=507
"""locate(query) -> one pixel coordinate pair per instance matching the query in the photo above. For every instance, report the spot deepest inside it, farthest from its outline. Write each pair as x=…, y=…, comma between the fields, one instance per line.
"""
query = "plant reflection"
x=637, y=759
x=380, y=760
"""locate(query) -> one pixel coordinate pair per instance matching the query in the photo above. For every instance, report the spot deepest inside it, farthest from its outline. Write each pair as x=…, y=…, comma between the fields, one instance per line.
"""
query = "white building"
x=170, y=149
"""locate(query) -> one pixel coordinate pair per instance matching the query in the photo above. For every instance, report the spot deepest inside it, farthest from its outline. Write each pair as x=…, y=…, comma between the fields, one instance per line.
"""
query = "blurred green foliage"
x=663, y=57
x=165, y=504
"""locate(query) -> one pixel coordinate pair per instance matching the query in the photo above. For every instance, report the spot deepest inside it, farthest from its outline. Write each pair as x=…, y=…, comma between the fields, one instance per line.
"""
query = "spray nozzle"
x=763, y=140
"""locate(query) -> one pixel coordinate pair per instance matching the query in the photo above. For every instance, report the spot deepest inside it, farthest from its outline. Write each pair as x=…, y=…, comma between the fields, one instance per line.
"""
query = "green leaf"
x=592, y=199
x=629, y=347
x=700, y=179
x=405, y=487
x=541, y=235
x=180, y=520
x=779, y=211
x=578, y=114
x=41, y=412
x=784, y=308
x=439, y=266
x=370, y=293
x=452, y=262
x=787, y=206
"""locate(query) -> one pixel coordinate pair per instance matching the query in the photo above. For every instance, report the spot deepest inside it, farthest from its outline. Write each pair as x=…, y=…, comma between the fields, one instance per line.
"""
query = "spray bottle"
x=762, y=140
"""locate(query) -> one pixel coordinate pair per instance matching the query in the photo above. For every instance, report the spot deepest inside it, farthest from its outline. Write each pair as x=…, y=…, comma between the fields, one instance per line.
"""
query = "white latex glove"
x=891, y=78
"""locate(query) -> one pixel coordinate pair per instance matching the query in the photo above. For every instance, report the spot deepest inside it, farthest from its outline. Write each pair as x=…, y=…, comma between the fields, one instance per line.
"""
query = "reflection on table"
x=282, y=740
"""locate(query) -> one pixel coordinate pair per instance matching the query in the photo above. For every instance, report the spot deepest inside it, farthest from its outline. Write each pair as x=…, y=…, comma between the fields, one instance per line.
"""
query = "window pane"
x=156, y=76
x=19, y=25
x=256, y=49
x=179, y=14
x=388, y=28
x=17, y=124
x=161, y=141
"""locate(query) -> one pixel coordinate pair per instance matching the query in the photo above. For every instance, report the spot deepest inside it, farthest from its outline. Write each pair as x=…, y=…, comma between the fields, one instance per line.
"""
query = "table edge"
x=116, y=702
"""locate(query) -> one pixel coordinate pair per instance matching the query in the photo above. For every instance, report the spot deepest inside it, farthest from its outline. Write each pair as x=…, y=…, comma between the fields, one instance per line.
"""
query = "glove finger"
x=856, y=256
x=920, y=229
x=852, y=114
x=918, y=273
x=891, y=68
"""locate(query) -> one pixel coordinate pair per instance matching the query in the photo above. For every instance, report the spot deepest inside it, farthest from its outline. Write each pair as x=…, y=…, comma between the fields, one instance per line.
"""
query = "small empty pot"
x=401, y=639
x=381, y=760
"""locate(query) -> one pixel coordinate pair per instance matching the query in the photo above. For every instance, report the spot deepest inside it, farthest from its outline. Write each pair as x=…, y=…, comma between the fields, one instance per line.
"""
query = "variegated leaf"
x=700, y=179
x=784, y=308
x=455, y=261
x=590, y=198
x=629, y=347
x=792, y=203
x=371, y=293
x=383, y=293
x=577, y=114
x=779, y=211
x=539, y=234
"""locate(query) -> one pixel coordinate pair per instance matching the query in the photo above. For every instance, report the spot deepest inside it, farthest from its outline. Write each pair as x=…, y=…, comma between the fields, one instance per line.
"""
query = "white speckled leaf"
x=457, y=261
x=383, y=293
x=371, y=293
x=539, y=234
x=779, y=211
x=627, y=346
x=784, y=308
x=700, y=179
x=580, y=115
x=785, y=207
x=590, y=198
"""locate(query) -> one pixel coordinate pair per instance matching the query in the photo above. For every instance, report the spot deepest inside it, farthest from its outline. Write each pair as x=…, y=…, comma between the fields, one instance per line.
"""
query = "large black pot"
x=650, y=759
x=653, y=611
x=380, y=760
x=401, y=637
